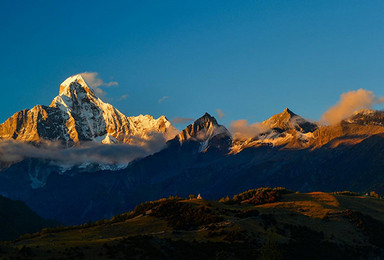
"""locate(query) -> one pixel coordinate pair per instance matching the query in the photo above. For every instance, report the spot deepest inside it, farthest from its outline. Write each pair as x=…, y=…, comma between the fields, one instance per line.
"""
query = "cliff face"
x=208, y=133
x=40, y=122
x=77, y=115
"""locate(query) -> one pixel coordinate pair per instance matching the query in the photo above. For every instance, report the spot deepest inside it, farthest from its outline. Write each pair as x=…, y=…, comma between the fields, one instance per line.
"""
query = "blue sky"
x=251, y=59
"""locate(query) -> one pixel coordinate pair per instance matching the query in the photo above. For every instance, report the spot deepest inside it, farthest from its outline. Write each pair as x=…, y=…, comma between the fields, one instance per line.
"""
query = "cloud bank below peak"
x=88, y=152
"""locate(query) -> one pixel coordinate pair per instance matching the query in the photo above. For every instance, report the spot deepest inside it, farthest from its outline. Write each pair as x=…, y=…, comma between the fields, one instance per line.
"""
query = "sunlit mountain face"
x=78, y=128
x=192, y=130
x=93, y=161
x=77, y=115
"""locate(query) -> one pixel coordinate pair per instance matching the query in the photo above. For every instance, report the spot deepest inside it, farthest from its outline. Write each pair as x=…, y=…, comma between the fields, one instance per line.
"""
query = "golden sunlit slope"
x=344, y=133
x=78, y=115
x=264, y=223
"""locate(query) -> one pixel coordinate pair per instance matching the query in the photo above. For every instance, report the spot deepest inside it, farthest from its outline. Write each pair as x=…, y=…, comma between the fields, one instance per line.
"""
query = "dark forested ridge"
x=17, y=219
x=263, y=223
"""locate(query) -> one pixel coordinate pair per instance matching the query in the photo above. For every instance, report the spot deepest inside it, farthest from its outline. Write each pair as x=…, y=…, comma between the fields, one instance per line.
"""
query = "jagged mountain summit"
x=201, y=159
x=288, y=130
x=207, y=132
x=367, y=117
x=287, y=120
x=77, y=115
x=285, y=129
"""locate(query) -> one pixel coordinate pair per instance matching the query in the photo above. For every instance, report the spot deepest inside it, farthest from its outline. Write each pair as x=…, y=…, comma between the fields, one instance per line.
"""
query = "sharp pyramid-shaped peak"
x=76, y=84
x=75, y=78
x=282, y=118
x=289, y=120
x=288, y=111
x=204, y=128
x=74, y=91
x=206, y=119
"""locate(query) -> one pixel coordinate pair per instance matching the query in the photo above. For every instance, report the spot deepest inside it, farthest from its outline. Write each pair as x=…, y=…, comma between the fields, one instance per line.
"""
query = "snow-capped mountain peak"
x=367, y=117
x=288, y=120
x=88, y=117
x=285, y=129
x=202, y=129
x=75, y=91
x=77, y=115
x=74, y=83
x=205, y=120
x=207, y=132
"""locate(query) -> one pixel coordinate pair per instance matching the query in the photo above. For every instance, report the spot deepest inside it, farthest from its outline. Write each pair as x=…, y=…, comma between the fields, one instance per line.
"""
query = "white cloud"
x=96, y=83
x=349, y=103
x=242, y=129
x=181, y=120
x=124, y=97
x=13, y=151
x=161, y=100
x=220, y=113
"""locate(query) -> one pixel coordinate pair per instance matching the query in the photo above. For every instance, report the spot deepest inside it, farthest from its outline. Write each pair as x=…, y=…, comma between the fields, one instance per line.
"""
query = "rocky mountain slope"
x=208, y=133
x=281, y=130
x=290, y=131
x=77, y=115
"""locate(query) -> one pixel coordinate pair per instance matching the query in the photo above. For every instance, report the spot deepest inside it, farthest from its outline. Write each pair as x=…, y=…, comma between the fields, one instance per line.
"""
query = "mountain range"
x=284, y=150
x=77, y=115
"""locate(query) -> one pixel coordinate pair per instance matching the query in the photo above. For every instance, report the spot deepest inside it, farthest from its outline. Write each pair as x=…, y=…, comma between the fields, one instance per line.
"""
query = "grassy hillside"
x=16, y=219
x=257, y=224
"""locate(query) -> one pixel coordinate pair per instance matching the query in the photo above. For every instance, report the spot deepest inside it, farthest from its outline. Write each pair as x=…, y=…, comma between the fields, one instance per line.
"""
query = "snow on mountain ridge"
x=366, y=117
x=207, y=132
x=77, y=115
x=283, y=129
x=202, y=129
x=289, y=120
x=65, y=86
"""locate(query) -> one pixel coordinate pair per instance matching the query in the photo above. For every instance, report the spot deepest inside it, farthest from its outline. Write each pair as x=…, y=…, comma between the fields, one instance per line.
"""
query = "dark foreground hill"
x=17, y=219
x=257, y=224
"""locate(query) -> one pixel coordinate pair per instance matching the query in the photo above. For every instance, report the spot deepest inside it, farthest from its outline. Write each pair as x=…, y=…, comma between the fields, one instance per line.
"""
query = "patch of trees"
x=148, y=205
x=140, y=209
x=373, y=194
x=183, y=215
x=346, y=193
x=257, y=196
